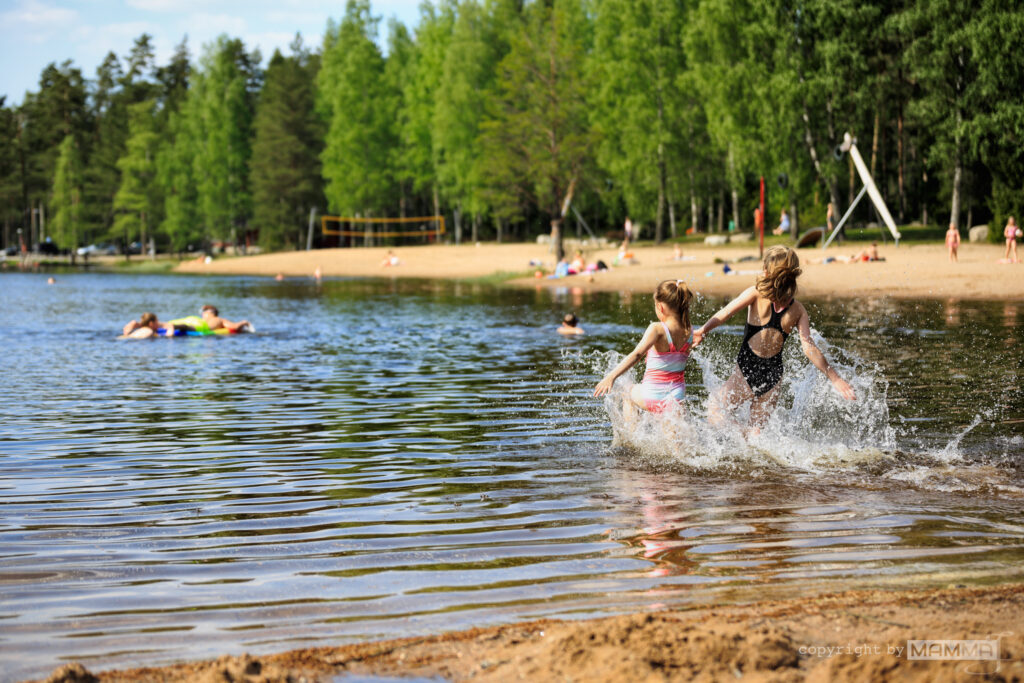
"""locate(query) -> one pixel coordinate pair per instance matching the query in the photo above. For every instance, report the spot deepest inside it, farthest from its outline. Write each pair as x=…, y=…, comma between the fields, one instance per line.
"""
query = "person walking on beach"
x=1011, y=233
x=772, y=314
x=666, y=344
x=953, y=242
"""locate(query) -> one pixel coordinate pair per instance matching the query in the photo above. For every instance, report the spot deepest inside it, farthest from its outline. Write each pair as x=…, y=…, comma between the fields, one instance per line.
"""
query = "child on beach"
x=953, y=242
x=570, y=325
x=1011, y=233
x=666, y=344
x=772, y=314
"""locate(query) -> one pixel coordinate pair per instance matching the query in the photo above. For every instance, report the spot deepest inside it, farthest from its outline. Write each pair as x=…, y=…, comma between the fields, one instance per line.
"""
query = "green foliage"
x=354, y=100
x=218, y=114
x=285, y=164
x=66, y=204
x=138, y=197
x=496, y=108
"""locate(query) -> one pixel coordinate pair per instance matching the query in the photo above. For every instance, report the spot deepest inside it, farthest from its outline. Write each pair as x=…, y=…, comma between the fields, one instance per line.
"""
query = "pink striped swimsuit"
x=664, y=382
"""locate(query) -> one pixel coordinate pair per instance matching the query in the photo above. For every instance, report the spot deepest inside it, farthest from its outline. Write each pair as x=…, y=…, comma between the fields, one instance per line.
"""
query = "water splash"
x=811, y=430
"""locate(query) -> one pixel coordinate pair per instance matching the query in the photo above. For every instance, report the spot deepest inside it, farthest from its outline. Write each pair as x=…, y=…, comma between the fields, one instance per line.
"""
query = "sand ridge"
x=851, y=636
x=909, y=271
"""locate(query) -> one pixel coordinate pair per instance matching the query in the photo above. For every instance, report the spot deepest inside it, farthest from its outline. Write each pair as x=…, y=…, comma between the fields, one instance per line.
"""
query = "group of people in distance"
x=772, y=313
x=207, y=321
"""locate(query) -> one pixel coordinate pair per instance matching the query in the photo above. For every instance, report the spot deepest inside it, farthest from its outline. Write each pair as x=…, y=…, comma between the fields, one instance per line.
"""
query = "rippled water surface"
x=387, y=459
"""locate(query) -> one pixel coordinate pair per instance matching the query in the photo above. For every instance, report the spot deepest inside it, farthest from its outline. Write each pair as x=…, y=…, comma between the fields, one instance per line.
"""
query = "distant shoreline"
x=909, y=271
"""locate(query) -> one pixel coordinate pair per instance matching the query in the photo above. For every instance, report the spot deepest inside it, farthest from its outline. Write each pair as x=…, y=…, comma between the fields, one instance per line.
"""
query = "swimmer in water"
x=570, y=325
x=214, y=322
x=772, y=314
x=146, y=327
x=667, y=345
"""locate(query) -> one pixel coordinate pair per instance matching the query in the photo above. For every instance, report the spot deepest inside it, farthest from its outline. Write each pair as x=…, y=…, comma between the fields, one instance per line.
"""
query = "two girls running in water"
x=772, y=315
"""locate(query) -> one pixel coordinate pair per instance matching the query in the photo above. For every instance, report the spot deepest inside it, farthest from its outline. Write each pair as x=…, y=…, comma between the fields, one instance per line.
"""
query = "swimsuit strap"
x=775, y=320
x=668, y=335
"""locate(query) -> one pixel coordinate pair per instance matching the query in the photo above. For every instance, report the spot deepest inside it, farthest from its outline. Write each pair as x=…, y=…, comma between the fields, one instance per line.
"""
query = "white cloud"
x=33, y=13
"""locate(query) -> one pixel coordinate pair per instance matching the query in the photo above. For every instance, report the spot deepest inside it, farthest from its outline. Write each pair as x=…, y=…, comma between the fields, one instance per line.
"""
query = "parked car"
x=135, y=248
x=97, y=249
x=11, y=251
x=48, y=248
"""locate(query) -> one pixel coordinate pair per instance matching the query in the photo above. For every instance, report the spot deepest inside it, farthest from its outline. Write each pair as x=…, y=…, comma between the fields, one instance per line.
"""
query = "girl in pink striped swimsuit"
x=666, y=344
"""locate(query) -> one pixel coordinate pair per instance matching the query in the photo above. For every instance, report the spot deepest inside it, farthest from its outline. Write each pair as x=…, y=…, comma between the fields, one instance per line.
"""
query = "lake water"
x=387, y=459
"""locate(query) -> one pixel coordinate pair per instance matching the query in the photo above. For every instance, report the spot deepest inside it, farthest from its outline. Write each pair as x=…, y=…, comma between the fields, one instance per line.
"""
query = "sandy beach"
x=851, y=636
x=914, y=271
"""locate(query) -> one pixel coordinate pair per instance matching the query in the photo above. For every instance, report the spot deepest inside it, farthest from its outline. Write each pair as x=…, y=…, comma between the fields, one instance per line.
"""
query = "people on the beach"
x=578, y=263
x=1011, y=233
x=783, y=227
x=830, y=219
x=666, y=344
x=772, y=314
x=867, y=254
x=953, y=242
x=570, y=325
x=390, y=260
x=627, y=231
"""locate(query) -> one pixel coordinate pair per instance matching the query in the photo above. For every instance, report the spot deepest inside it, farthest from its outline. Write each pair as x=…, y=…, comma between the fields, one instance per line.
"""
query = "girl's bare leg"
x=761, y=408
x=734, y=392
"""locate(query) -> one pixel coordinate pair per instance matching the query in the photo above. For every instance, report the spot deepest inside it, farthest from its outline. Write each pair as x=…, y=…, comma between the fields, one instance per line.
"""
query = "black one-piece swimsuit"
x=762, y=374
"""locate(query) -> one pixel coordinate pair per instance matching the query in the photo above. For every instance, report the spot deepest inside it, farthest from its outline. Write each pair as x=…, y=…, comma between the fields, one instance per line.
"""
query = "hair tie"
x=679, y=282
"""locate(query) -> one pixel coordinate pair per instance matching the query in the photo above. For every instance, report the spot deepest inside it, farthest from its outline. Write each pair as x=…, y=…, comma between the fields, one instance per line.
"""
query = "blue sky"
x=34, y=33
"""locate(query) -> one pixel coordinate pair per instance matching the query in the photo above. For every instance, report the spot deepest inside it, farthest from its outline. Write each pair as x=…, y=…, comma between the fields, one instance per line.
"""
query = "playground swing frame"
x=850, y=145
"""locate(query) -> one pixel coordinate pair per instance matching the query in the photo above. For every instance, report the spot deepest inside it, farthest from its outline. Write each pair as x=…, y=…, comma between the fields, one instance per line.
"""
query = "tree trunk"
x=458, y=226
x=874, y=144
x=721, y=215
x=711, y=214
x=694, y=211
x=958, y=172
x=556, y=238
x=659, y=225
x=476, y=228
x=794, y=221
x=672, y=219
x=736, y=210
x=500, y=227
x=901, y=163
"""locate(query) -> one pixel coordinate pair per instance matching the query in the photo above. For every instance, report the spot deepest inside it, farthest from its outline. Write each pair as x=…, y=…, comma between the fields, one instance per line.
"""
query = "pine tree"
x=66, y=203
x=138, y=196
x=285, y=162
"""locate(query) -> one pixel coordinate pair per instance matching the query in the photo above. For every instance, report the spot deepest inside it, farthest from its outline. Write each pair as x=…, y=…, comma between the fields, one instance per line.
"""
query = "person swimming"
x=667, y=345
x=570, y=325
x=759, y=366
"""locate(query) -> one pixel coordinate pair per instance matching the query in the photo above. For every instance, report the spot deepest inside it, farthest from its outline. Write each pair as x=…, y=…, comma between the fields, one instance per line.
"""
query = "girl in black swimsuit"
x=759, y=366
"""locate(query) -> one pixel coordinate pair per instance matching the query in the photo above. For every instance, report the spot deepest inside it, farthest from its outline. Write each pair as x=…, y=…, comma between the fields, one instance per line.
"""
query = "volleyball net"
x=350, y=229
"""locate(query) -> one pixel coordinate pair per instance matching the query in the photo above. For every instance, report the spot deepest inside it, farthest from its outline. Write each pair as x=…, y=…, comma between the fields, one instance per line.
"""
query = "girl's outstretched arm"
x=747, y=297
x=646, y=342
x=815, y=355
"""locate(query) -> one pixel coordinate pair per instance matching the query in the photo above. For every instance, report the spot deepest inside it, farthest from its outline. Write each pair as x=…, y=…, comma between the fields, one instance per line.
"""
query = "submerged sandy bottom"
x=851, y=636
x=919, y=271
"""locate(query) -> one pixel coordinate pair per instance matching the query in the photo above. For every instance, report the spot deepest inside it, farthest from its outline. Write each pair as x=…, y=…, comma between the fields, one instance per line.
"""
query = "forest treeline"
x=493, y=112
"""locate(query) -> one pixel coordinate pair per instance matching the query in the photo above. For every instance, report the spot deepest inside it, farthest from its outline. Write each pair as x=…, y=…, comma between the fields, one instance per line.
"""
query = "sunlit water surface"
x=388, y=459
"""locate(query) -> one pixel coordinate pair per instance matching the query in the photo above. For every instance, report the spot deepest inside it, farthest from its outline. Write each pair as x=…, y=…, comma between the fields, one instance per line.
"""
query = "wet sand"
x=915, y=271
x=851, y=636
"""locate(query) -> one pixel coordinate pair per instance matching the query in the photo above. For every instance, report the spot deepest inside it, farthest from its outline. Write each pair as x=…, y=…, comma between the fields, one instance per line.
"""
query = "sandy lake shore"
x=851, y=636
x=914, y=271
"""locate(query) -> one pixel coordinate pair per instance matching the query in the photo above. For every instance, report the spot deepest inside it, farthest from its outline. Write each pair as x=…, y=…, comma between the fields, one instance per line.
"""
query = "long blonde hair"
x=781, y=269
x=677, y=296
